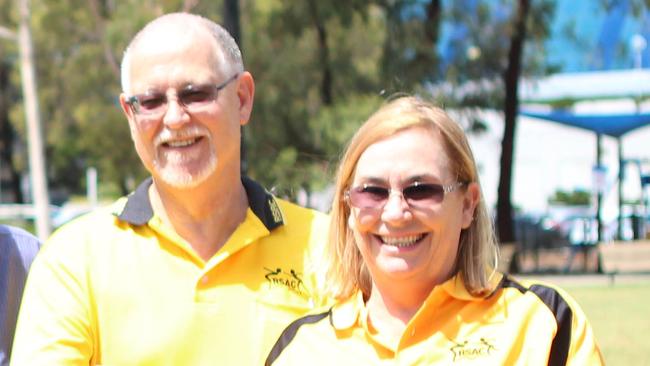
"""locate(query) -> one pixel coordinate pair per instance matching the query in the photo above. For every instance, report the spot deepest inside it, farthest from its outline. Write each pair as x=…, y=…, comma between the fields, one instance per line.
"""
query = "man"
x=17, y=251
x=199, y=266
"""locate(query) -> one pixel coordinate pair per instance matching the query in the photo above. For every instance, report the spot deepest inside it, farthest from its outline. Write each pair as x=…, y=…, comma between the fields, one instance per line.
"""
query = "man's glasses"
x=191, y=98
x=418, y=195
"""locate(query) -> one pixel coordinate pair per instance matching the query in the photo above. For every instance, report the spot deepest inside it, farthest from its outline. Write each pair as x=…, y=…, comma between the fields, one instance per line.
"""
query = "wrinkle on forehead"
x=387, y=160
x=175, y=43
x=169, y=30
x=168, y=36
x=186, y=58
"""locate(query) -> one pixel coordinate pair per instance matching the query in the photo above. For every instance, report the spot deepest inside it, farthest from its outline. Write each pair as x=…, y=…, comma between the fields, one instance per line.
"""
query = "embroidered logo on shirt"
x=469, y=350
x=290, y=280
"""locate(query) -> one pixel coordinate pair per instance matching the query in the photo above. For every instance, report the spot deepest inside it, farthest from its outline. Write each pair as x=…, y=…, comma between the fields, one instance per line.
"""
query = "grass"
x=620, y=319
x=21, y=223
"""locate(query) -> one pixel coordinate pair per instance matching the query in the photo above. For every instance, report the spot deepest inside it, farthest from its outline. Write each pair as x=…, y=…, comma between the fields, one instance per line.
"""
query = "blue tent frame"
x=614, y=125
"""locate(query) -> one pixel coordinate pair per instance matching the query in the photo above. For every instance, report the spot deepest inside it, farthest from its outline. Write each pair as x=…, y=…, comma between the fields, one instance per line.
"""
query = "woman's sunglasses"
x=420, y=195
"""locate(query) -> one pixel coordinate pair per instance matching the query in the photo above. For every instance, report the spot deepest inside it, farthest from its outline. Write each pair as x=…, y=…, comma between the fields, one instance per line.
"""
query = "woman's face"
x=416, y=237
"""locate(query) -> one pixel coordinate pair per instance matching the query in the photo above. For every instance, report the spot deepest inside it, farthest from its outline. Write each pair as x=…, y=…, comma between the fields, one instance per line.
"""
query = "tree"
x=487, y=56
x=321, y=68
x=8, y=135
x=511, y=108
x=410, y=58
x=12, y=156
x=301, y=108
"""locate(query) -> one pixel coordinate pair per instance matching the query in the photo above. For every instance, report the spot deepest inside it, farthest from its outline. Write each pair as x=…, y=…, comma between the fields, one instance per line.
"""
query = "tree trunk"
x=505, y=225
x=432, y=26
x=231, y=19
x=100, y=34
x=232, y=24
x=7, y=136
x=324, y=54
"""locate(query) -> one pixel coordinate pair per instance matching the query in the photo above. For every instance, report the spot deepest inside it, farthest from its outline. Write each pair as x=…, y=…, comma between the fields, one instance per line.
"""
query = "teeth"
x=401, y=241
x=181, y=143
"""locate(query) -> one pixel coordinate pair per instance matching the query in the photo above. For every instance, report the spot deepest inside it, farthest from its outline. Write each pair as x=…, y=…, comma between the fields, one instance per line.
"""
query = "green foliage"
x=295, y=135
x=409, y=55
x=321, y=68
x=577, y=197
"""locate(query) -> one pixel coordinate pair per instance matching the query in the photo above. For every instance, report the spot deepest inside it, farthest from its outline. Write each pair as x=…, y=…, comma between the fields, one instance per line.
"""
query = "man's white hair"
x=230, y=58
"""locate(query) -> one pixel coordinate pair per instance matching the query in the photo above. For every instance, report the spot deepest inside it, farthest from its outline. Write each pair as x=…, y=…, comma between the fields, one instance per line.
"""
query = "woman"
x=412, y=263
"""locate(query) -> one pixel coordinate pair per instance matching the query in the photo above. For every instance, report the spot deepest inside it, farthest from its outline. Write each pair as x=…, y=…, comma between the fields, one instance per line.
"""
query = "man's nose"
x=175, y=116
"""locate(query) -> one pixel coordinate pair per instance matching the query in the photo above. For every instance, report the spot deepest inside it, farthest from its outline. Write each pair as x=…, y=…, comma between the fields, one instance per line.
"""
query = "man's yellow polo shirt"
x=517, y=324
x=118, y=287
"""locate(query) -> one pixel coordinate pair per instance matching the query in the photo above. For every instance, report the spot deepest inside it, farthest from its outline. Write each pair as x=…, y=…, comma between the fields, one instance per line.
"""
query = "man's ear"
x=128, y=112
x=470, y=201
x=126, y=108
x=246, y=94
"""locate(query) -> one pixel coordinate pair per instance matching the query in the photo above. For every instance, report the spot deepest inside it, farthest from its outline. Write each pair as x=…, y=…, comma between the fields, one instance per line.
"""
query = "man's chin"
x=183, y=179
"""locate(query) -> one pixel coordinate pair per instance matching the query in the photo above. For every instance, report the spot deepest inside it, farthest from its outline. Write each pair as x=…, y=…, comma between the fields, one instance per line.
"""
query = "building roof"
x=633, y=83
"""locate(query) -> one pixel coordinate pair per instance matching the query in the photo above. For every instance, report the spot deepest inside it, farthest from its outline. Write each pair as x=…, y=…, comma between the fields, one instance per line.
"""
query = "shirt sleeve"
x=54, y=322
x=583, y=349
x=315, y=270
x=17, y=251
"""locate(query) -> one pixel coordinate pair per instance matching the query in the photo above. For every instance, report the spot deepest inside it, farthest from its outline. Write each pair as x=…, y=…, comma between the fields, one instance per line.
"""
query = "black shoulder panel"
x=289, y=333
x=563, y=316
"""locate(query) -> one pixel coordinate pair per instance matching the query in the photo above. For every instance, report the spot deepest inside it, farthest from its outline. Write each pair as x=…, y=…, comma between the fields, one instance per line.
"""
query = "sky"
x=587, y=37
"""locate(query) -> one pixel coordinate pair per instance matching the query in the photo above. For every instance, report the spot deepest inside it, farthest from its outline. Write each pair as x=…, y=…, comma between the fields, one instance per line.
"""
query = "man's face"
x=184, y=145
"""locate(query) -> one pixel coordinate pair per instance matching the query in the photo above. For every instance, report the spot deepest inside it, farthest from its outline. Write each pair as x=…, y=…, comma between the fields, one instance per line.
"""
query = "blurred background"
x=322, y=67
x=553, y=95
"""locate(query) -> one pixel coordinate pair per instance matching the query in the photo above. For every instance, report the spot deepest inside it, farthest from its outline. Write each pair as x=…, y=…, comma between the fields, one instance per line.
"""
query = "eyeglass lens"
x=193, y=96
x=368, y=196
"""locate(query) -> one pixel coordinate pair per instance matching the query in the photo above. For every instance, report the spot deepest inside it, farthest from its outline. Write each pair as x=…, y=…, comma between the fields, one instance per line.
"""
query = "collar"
x=345, y=314
x=349, y=312
x=137, y=209
x=455, y=287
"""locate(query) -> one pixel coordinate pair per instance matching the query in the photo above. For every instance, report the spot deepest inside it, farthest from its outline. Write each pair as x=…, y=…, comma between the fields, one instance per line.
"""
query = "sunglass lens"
x=151, y=102
x=424, y=192
x=197, y=95
x=368, y=196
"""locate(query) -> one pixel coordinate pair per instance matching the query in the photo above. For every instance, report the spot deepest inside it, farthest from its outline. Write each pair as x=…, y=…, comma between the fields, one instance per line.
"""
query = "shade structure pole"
x=621, y=176
x=599, y=193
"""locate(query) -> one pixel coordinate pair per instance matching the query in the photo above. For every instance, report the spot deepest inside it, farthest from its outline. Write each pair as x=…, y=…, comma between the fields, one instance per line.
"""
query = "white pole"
x=91, y=186
x=40, y=196
x=638, y=44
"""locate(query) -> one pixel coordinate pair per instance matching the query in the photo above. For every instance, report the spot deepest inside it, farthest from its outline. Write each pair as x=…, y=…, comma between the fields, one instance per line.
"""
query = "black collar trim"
x=137, y=210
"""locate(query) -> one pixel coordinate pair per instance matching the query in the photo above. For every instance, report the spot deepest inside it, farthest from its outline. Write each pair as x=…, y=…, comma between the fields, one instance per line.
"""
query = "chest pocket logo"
x=469, y=350
x=289, y=279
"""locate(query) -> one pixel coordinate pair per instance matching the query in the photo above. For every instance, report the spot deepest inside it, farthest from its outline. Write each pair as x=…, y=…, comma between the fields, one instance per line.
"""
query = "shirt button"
x=205, y=279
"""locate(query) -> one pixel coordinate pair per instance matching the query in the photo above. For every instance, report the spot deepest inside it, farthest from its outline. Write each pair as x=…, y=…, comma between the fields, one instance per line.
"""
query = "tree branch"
x=100, y=28
x=188, y=5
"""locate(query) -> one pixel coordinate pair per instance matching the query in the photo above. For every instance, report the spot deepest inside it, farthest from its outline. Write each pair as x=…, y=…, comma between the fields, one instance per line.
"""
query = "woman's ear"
x=470, y=201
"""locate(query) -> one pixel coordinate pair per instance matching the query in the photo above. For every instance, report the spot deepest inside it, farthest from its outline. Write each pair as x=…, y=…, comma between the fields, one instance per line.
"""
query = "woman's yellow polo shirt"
x=517, y=324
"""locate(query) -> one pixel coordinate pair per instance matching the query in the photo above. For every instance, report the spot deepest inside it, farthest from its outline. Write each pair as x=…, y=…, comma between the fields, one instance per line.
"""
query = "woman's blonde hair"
x=477, y=251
